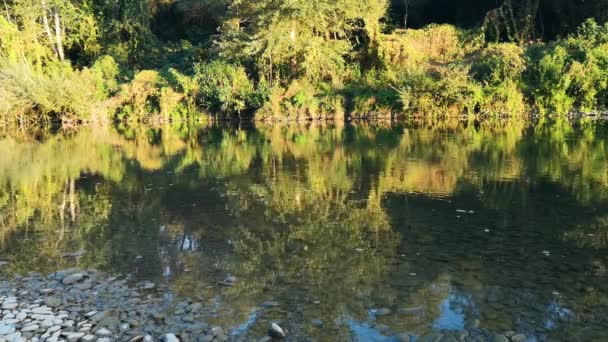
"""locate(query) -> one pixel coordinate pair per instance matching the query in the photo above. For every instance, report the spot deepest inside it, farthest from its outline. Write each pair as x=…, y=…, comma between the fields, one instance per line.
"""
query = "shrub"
x=499, y=68
x=223, y=87
x=439, y=43
x=59, y=92
x=302, y=100
x=446, y=91
x=572, y=73
x=106, y=71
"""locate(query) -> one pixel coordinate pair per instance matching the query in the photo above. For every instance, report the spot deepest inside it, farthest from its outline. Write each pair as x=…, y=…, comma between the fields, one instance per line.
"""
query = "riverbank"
x=76, y=305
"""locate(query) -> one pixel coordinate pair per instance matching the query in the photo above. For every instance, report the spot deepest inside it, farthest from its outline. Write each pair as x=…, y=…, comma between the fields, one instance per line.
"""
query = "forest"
x=78, y=61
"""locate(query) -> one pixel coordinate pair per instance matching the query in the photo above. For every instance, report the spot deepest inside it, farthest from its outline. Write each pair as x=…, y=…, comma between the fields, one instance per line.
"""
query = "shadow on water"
x=356, y=232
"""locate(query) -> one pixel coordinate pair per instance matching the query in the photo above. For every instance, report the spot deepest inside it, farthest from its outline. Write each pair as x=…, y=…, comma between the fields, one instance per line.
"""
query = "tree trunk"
x=47, y=27
x=407, y=12
x=58, y=35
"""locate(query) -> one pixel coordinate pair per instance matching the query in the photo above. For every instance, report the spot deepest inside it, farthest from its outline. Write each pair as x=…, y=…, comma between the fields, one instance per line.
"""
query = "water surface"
x=500, y=227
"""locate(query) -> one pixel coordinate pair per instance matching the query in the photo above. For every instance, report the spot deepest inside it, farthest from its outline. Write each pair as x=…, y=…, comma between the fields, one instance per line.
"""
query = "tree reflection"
x=354, y=217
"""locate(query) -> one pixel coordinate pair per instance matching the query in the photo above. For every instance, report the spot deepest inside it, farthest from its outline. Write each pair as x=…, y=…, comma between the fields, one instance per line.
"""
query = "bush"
x=499, y=69
x=438, y=43
x=224, y=87
x=59, y=91
x=302, y=100
x=444, y=92
x=572, y=73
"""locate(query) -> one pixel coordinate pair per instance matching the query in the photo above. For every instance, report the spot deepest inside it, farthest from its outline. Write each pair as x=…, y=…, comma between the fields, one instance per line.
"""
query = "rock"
x=194, y=307
x=88, y=338
x=206, y=338
x=518, y=338
x=53, y=329
x=103, y=332
x=500, y=338
x=6, y=329
x=72, y=278
x=434, y=337
x=316, y=322
x=171, y=338
x=148, y=338
x=269, y=304
x=14, y=337
x=52, y=301
x=403, y=337
x=73, y=337
x=32, y=327
x=216, y=331
x=276, y=331
x=382, y=312
x=124, y=327
x=411, y=310
x=104, y=314
x=146, y=285
x=9, y=306
x=381, y=327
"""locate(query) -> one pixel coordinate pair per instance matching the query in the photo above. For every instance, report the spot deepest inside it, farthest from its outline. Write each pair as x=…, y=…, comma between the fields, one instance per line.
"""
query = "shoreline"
x=78, y=305
x=86, y=305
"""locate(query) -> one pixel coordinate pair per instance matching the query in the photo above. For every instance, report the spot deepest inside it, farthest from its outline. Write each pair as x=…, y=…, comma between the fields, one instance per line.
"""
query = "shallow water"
x=502, y=228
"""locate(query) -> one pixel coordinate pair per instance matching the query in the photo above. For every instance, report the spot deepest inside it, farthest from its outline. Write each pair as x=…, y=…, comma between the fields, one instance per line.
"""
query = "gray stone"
x=194, y=307
x=518, y=338
x=89, y=338
x=500, y=338
x=316, y=322
x=269, y=304
x=403, y=337
x=276, y=331
x=32, y=327
x=103, y=332
x=73, y=337
x=171, y=338
x=52, y=301
x=9, y=306
x=72, y=278
x=382, y=312
x=6, y=329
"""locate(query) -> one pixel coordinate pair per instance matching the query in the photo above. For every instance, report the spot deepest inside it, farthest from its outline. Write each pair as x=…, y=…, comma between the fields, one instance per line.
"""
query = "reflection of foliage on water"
x=306, y=207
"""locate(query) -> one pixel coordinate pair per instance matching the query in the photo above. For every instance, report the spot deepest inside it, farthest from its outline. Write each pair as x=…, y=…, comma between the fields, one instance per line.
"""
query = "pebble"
x=94, y=307
x=382, y=312
x=103, y=332
x=276, y=331
x=72, y=278
x=171, y=338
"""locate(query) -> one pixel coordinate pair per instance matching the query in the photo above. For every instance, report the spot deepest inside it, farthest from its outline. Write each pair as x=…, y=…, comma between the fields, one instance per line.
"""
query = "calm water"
x=505, y=228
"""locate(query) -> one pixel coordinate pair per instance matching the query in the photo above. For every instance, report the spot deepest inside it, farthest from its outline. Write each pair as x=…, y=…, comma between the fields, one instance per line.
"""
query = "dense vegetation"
x=92, y=60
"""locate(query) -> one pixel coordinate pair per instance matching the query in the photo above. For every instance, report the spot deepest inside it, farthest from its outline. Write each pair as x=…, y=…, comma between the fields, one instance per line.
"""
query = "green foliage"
x=443, y=93
x=572, y=73
x=499, y=70
x=106, y=71
x=435, y=43
x=69, y=94
x=223, y=87
x=302, y=100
